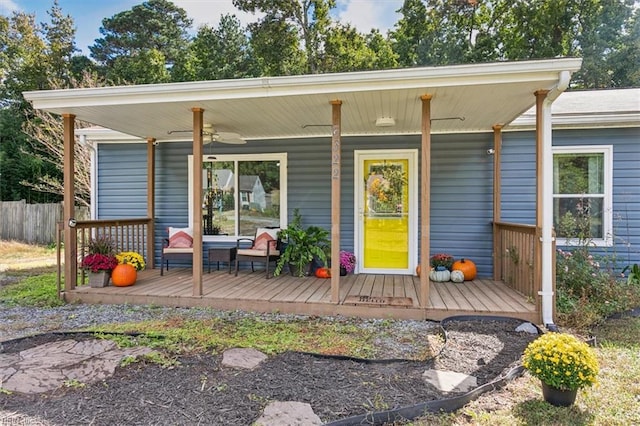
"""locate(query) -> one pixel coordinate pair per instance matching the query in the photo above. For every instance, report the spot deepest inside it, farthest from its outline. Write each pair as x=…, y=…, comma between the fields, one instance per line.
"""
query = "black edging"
x=441, y=405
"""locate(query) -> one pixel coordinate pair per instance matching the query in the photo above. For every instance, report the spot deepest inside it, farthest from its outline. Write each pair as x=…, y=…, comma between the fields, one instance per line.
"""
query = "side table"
x=221, y=254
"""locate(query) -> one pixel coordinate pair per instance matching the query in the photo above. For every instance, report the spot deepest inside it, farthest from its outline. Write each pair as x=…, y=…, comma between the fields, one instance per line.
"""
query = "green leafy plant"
x=634, y=273
x=562, y=361
x=302, y=245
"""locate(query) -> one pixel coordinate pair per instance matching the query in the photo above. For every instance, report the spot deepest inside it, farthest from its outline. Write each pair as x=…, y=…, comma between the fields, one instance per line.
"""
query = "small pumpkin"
x=439, y=275
x=124, y=275
x=467, y=267
x=418, y=270
x=323, y=273
x=457, y=276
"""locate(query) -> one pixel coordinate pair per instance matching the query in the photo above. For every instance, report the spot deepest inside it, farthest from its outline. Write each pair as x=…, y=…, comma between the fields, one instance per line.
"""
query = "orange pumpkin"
x=323, y=273
x=418, y=270
x=467, y=267
x=124, y=275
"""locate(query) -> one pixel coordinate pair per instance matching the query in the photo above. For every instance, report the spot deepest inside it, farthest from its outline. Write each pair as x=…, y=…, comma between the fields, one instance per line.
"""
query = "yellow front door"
x=386, y=213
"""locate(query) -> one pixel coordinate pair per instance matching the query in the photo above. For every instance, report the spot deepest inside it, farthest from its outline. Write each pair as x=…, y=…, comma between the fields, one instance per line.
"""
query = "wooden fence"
x=32, y=223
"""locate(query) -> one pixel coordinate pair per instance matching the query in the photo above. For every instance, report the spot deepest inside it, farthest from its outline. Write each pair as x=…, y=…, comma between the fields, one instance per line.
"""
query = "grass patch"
x=182, y=335
x=15, y=250
x=37, y=290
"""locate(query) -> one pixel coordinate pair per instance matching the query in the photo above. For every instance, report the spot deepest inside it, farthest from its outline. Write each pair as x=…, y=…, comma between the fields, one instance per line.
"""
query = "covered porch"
x=363, y=295
x=469, y=99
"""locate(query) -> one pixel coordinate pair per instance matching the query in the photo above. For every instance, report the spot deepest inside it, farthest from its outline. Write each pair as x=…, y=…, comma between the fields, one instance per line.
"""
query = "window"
x=582, y=187
x=240, y=193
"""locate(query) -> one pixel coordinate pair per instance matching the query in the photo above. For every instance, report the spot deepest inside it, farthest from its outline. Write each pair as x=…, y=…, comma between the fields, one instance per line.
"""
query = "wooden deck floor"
x=312, y=296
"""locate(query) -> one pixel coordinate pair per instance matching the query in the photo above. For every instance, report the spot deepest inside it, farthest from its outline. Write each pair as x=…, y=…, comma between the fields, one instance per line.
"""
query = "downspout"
x=93, y=208
x=547, y=195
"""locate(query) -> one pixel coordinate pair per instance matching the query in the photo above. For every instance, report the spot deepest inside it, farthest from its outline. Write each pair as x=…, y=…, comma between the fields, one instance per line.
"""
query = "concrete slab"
x=247, y=358
x=450, y=381
x=46, y=367
x=288, y=413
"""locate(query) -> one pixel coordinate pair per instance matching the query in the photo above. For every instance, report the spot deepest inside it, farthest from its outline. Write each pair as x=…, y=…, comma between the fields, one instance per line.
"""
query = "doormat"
x=382, y=300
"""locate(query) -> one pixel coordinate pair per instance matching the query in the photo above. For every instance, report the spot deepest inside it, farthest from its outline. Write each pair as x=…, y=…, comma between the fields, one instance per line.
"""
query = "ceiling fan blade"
x=229, y=138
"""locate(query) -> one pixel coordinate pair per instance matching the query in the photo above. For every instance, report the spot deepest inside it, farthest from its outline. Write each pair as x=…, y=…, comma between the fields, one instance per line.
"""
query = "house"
x=456, y=166
x=252, y=194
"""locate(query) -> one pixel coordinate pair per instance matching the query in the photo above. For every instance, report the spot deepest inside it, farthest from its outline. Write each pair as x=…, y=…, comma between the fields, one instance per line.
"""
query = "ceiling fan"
x=212, y=135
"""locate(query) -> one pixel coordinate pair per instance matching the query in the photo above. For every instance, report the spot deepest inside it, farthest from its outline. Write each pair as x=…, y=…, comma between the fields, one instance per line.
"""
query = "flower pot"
x=99, y=279
x=558, y=397
x=303, y=272
x=343, y=271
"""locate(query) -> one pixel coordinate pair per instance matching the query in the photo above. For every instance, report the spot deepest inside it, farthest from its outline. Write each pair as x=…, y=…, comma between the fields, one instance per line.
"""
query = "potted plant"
x=441, y=267
x=99, y=261
x=347, y=262
x=563, y=363
x=302, y=246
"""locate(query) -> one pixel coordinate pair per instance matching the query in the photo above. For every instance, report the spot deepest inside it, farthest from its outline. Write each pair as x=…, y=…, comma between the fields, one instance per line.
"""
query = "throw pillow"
x=180, y=237
x=266, y=237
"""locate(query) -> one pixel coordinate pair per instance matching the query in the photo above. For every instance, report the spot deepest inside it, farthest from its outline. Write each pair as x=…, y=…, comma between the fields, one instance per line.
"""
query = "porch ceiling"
x=466, y=98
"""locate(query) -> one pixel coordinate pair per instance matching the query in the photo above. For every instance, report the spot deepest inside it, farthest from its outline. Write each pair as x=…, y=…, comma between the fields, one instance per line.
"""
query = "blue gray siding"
x=518, y=182
x=460, y=195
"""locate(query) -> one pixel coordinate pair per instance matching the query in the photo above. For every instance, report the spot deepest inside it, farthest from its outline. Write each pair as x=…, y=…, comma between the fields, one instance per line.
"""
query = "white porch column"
x=544, y=212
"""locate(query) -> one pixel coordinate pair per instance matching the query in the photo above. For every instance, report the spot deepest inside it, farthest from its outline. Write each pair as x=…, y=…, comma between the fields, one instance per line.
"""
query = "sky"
x=88, y=14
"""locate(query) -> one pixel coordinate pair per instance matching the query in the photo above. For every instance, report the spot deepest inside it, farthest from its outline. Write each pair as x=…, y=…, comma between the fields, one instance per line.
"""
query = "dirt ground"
x=200, y=391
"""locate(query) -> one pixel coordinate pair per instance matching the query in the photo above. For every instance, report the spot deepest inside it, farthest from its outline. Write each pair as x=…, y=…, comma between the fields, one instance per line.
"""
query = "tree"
x=275, y=45
x=410, y=32
x=155, y=26
x=34, y=57
x=307, y=20
x=348, y=50
x=60, y=46
x=217, y=53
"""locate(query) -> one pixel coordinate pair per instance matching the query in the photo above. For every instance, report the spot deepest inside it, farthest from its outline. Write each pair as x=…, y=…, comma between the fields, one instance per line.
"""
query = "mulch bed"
x=200, y=391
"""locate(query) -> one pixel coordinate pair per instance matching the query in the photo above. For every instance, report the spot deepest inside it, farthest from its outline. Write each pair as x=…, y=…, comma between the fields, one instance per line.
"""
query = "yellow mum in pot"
x=561, y=361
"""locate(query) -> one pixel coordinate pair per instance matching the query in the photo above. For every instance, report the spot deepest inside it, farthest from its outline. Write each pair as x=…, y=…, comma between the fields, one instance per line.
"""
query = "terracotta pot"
x=558, y=397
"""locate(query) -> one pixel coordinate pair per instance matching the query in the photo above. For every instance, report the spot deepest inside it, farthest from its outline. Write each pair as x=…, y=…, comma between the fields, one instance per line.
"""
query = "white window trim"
x=607, y=214
x=280, y=156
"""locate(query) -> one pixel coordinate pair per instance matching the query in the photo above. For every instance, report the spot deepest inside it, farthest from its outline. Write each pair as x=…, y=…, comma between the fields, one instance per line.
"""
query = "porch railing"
x=127, y=235
x=515, y=257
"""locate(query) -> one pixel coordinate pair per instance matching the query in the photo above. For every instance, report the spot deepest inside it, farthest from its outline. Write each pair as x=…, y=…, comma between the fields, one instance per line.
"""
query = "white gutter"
x=547, y=200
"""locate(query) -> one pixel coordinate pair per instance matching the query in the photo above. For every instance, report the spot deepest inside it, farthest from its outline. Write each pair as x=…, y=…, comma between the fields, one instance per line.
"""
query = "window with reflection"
x=582, y=193
x=241, y=193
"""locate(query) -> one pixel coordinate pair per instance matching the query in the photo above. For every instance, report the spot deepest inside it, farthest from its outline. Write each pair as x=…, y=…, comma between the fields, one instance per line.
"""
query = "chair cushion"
x=257, y=253
x=266, y=237
x=180, y=237
x=169, y=250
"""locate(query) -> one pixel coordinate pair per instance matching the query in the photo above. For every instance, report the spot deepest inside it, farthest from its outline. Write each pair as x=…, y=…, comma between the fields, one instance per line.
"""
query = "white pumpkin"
x=457, y=276
x=440, y=276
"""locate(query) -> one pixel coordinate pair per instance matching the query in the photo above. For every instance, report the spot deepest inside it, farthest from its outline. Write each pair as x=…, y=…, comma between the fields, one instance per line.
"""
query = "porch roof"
x=466, y=98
